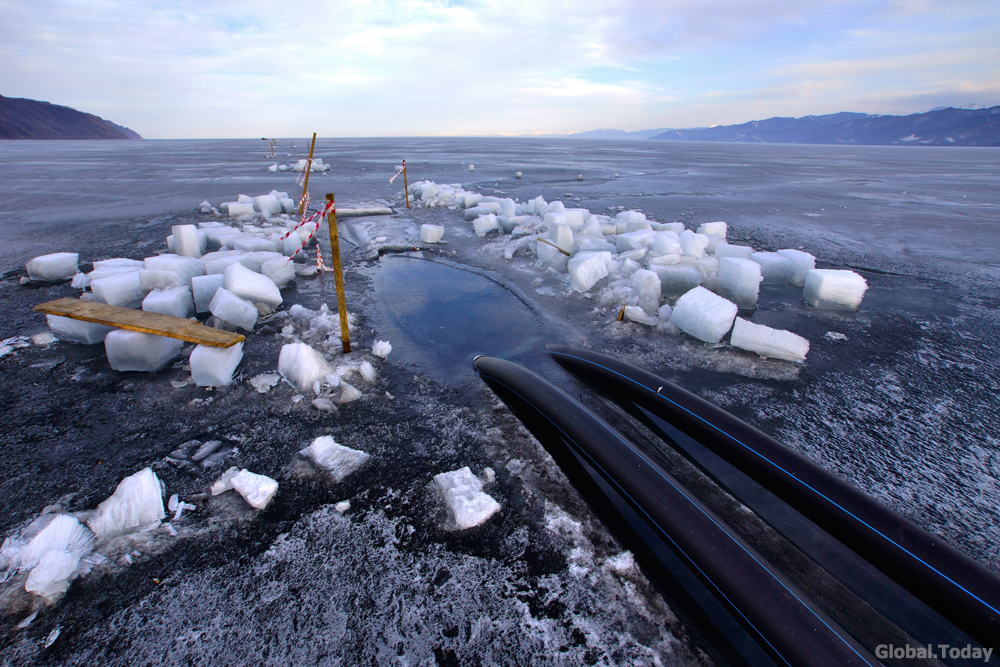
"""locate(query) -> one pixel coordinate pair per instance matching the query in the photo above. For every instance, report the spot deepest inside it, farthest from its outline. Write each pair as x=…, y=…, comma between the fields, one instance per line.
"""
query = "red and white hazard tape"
x=318, y=214
x=401, y=170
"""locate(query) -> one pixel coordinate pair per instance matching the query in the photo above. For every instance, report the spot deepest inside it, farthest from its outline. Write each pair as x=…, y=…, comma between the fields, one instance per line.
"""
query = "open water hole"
x=439, y=316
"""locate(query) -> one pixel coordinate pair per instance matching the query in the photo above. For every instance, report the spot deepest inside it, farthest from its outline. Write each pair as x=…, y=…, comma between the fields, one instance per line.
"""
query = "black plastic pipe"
x=956, y=586
x=782, y=619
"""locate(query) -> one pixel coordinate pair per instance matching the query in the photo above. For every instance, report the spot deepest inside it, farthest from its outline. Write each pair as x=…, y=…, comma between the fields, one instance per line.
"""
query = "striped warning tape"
x=401, y=170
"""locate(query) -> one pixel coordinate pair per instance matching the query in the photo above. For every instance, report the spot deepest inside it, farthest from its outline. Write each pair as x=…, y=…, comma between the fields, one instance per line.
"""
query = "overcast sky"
x=253, y=68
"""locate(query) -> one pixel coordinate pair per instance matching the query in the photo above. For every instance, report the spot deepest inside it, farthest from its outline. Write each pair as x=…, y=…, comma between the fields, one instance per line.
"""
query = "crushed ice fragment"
x=835, y=335
x=348, y=393
x=382, y=348
x=337, y=460
x=225, y=481
x=43, y=338
x=137, y=501
x=263, y=382
x=53, y=636
x=324, y=405
x=302, y=365
x=257, y=490
x=342, y=506
x=462, y=494
x=50, y=578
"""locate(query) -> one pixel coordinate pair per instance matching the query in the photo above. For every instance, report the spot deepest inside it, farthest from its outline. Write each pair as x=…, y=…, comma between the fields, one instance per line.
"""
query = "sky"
x=366, y=68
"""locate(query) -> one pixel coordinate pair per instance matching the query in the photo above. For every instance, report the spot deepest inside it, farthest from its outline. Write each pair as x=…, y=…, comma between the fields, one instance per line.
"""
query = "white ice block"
x=204, y=288
x=338, y=461
x=693, y=244
x=77, y=331
x=136, y=502
x=647, y=284
x=382, y=348
x=431, y=233
x=151, y=280
x=267, y=204
x=174, y=301
x=248, y=243
x=631, y=216
x=135, y=351
x=739, y=281
x=241, y=209
x=704, y=315
x=718, y=228
x=257, y=490
x=485, y=224
x=463, y=497
x=121, y=289
x=677, y=279
x=832, y=289
x=187, y=242
x=637, y=314
x=776, y=268
x=728, y=250
x=586, y=268
x=280, y=270
x=635, y=240
x=185, y=267
x=118, y=263
x=768, y=342
x=302, y=366
x=802, y=264
x=230, y=308
x=53, y=267
x=251, y=286
x=214, y=366
x=667, y=243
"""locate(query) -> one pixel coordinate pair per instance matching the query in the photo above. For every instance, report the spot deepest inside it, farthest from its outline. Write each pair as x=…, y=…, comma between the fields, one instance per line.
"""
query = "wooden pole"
x=309, y=166
x=406, y=186
x=338, y=274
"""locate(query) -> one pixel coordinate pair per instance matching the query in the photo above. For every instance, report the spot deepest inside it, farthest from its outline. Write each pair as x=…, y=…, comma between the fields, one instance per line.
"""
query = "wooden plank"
x=139, y=320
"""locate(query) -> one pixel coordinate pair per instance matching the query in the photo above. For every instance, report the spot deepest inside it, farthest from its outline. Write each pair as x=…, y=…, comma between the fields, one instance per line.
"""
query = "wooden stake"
x=406, y=187
x=309, y=167
x=338, y=274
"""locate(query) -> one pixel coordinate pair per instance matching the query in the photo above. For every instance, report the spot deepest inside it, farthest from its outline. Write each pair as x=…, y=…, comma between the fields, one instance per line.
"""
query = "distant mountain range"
x=29, y=119
x=940, y=127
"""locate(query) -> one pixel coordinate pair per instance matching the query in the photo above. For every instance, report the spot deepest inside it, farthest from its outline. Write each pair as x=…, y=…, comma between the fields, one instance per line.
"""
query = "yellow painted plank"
x=139, y=320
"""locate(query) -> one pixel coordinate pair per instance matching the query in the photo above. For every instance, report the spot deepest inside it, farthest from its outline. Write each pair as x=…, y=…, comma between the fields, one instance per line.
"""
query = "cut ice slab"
x=135, y=351
x=338, y=461
x=251, y=286
x=50, y=268
x=230, y=308
x=77, y=331
x=257, y=490
x=137, y=501
x=174, y=301
x=768, y=342
x=463, y=497
x=704, y=315
x=586, y=268
x=431, y=233
x=832, y=289
x=214, y=366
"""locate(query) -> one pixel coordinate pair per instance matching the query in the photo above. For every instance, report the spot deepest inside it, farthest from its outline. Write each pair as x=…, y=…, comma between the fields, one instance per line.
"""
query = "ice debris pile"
x=300, y=166
x=656, y=274
x=234, y=273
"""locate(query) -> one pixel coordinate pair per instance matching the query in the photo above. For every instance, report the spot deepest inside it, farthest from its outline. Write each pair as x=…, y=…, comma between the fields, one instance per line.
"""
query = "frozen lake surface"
x=902, y=402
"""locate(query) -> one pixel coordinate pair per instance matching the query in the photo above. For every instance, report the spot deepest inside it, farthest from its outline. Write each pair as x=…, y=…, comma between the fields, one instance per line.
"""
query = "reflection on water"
x=443, y=316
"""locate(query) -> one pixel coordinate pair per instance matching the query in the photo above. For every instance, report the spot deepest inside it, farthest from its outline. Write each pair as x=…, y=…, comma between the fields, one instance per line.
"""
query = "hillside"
x=940, y=127
x=29, y=119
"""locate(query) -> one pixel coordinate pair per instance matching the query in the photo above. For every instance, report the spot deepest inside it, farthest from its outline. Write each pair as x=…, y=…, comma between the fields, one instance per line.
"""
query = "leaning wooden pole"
x=338, y=274
x=406, y=186
x=309, y=167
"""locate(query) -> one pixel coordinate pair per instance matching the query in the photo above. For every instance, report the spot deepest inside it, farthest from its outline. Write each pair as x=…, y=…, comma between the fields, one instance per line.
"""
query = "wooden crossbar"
x=139, y=320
